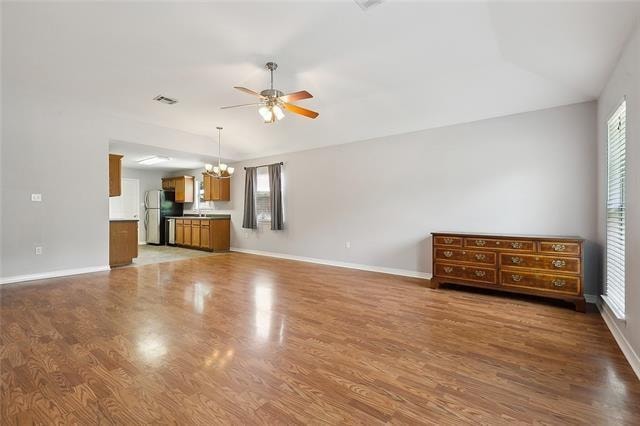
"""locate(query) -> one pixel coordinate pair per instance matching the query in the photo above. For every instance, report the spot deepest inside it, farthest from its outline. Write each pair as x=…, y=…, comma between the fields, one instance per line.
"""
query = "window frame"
x=619, y=310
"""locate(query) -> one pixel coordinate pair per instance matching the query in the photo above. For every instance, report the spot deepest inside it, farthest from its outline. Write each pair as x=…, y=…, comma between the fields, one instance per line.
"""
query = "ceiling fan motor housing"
x=272, y=93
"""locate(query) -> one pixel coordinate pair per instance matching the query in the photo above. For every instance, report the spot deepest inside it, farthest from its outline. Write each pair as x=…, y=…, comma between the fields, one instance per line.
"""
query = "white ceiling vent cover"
x=367, y=4
x=165, y=100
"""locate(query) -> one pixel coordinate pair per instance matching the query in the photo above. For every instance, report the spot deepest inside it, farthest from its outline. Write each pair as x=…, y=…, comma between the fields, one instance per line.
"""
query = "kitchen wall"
x=149, y=179
x=526, y=173
x=624, y=81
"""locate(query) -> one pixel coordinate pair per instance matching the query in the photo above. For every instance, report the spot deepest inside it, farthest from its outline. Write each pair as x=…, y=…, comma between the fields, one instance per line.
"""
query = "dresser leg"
x=435, y=284
x=580, y=305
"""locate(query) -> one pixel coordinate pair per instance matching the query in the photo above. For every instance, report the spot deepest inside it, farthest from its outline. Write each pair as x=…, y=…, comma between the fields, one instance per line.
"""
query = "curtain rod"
x=265, y=165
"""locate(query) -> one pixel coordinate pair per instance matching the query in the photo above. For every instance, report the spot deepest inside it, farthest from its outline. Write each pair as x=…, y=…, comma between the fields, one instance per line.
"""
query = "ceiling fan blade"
x=241, y=105
x=249, y=91
x=299, y=110
x=296, y=96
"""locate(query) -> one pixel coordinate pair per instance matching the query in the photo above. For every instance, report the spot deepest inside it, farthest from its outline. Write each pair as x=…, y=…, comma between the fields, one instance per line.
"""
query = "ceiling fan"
x=273, y=101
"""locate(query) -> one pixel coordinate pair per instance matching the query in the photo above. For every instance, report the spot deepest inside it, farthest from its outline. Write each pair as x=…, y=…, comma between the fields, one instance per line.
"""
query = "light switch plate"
x=36, y=197
x=38, y=249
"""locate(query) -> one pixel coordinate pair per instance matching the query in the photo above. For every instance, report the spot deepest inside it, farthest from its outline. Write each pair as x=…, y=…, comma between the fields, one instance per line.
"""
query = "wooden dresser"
x=545, y=266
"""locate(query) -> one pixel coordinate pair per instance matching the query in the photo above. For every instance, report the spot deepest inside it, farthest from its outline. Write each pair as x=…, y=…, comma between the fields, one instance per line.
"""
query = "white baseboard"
x=622, y=341
x=52, y=274
x=392, y=271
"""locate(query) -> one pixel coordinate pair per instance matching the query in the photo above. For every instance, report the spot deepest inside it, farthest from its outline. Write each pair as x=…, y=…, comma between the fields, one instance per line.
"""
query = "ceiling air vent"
x=367, y=4
x=165, y=100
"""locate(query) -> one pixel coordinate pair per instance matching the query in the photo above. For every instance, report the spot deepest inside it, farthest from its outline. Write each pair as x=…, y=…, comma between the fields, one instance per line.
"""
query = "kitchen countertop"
x=210, y=217
x=124, y=220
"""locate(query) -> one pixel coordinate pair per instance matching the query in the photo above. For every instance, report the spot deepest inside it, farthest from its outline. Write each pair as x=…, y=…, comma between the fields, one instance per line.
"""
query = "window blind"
x=616, y=214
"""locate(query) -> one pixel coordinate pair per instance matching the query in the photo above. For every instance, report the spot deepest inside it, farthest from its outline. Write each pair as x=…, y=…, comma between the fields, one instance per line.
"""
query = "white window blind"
x=616, y=174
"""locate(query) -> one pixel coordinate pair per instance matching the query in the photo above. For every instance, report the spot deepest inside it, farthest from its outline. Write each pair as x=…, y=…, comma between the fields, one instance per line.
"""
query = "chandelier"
x=221, y=170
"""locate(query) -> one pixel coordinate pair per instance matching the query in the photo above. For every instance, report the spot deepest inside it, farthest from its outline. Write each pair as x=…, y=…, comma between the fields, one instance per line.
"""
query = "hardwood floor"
x=237, y=338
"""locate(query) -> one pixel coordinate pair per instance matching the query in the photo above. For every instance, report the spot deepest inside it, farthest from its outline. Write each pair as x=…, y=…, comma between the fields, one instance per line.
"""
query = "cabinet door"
x=195, y=233
x=179, y=186
x=187, y=235
x=205, y=236
x=179, y=232
x=206, y=186
x=215, y=189
x=115, y=175
x=225, y=189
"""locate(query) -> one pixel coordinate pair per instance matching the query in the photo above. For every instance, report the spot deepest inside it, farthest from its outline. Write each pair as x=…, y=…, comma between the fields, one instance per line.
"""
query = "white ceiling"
x=398, y=67
x=178, y=160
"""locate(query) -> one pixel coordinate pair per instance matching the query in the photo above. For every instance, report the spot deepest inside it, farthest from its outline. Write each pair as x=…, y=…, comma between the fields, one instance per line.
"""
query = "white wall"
x=526, y=173
x=60, y=150
x=624, y=81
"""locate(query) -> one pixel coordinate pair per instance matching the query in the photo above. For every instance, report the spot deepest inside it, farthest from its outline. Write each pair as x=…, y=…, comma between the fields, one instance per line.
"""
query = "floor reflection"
x=263, y=298
x=197, y=294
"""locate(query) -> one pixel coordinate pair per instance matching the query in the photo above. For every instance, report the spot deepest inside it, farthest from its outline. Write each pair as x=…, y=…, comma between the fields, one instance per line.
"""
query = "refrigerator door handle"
x=146, y=200
x=146, y=219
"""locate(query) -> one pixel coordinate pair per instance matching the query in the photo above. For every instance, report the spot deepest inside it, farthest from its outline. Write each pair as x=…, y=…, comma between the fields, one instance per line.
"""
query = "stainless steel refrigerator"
x=158, y=205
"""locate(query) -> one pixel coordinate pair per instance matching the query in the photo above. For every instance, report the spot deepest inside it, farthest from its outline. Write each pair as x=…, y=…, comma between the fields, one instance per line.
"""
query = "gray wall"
x=149, y=179
x=526, y=173
x=625, y=81
x=60, y=150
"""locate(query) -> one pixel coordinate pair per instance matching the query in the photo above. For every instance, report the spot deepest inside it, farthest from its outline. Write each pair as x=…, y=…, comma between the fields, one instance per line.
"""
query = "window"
x=263, y=196
x=616, y=174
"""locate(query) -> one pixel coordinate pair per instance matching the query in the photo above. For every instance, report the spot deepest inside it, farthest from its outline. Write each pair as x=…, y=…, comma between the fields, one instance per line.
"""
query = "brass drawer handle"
x=517, y=260
x=448, y=253
x=559, y=283
x=480, y=256
x=559, y=263
x=517, y=278
x=480, y=273
x=481, y=243
x=558, y=247
x=448, y=240
x=448, y=269
x=516, y=245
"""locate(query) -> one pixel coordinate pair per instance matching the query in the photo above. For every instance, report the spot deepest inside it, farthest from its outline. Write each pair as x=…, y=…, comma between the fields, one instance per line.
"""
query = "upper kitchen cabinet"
x=216, y=189
x=115, y=175
x=183, y=187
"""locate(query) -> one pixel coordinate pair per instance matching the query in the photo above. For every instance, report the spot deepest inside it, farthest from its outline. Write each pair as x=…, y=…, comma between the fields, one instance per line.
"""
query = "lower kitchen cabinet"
x=204, y=234
x=123, y=242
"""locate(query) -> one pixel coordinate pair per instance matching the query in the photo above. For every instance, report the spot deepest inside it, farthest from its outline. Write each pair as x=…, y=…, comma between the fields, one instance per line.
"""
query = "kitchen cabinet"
x=123, y=242
x=204, y=233
x=216, y=189
x=182, y=186
x=115, y=175
x=179, y=237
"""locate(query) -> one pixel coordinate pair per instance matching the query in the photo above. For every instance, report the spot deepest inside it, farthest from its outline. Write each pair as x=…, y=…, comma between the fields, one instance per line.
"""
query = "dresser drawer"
x=555, y=283
x=473, y=256
x=550, y=263
x=560, y=247
x=447, y=241
x=492, y=243
x=469, y=273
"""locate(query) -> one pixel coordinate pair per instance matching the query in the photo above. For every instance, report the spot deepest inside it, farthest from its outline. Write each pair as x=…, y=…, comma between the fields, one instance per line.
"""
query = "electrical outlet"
x=36, y=197
x=38, y=250
x=347, y=244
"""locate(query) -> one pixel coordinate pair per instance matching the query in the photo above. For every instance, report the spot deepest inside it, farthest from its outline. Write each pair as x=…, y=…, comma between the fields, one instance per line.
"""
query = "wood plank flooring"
x=244, y=339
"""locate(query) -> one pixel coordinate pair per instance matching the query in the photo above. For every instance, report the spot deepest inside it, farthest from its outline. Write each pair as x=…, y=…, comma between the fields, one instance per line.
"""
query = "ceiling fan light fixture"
x=266, y=113
x=208, y=167
x=223, y=167
x=278, y=112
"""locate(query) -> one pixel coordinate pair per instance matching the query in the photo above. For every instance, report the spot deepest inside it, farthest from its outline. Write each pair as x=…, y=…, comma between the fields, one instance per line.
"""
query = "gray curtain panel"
x=250, y=218
x=275, y=186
